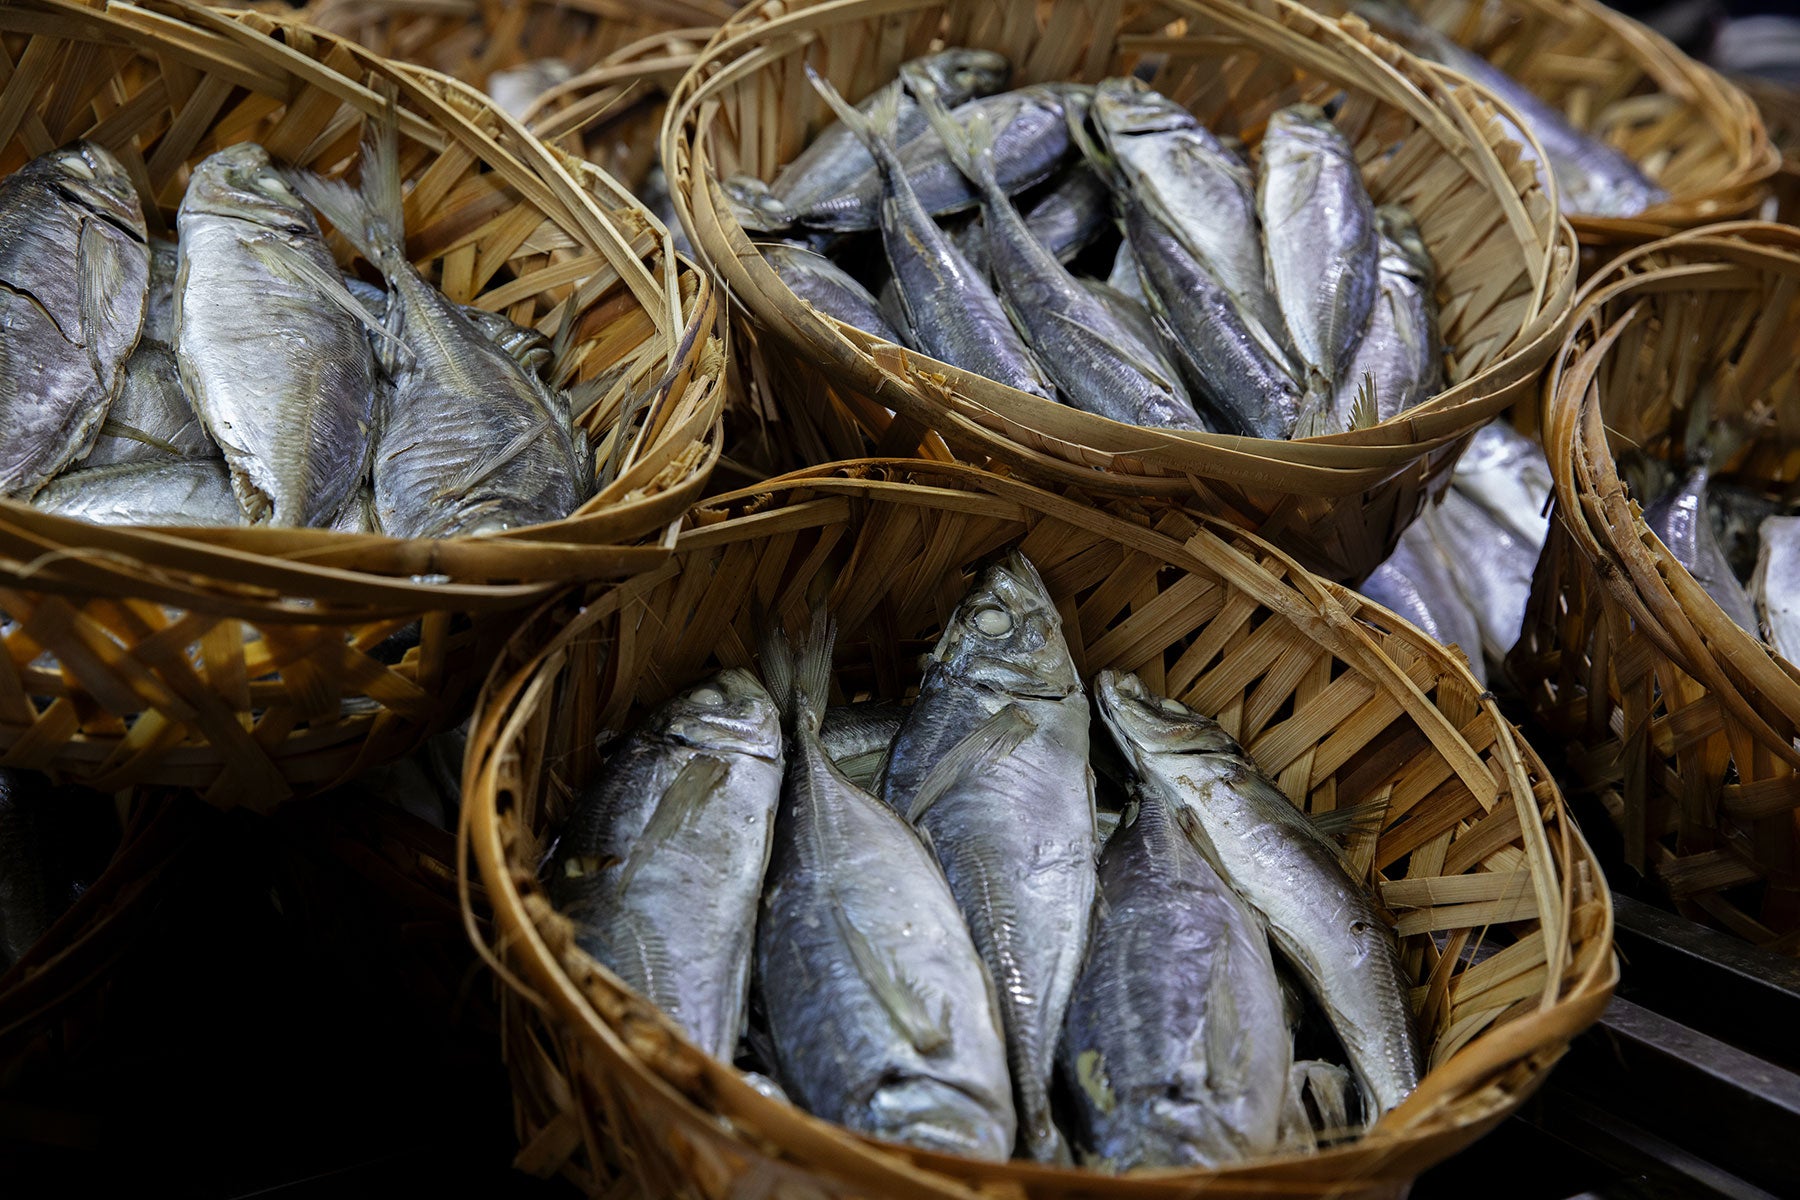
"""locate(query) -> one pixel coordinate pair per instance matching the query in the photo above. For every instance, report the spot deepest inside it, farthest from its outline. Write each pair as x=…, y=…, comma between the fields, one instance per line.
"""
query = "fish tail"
x=969, y=142
x=875, y=130
x=799, y=678
x=370, y=219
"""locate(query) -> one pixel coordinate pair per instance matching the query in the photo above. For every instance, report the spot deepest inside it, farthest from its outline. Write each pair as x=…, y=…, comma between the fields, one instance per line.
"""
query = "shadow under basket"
x=1506, y=263
x=1337, y=699
x=1681, y=722
x=250, y=663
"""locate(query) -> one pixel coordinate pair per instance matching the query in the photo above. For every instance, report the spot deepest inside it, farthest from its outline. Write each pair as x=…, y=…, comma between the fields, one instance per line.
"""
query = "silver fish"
x=1125, y=278
x=1031, y=139
x=1136, y=318
x=1320, y=920
x=951, y=312
x=1776, y=585
x=54, y=843
x=74, y=284
x=829, y=288
x=1593, y=178
x=1176, y=1040
x=1319, y=238
x=1246, y=389
x=1505, y=472
x=166, y=491
x=275, y=361
x=1491, y=563
x=1399, y=361
x=836, y=157
x=1095, y=359
x=527, y=347
x=1196, y=186
x=151, y=420
x=661, y=864
x=159, y=313
x=856, y=737
x=470, y=441
x=992, y=764
x=1680, y=519
x=358, y=513
x=882, y=1016
x=1415, y=582
x=1065, y=220
x=516, y=89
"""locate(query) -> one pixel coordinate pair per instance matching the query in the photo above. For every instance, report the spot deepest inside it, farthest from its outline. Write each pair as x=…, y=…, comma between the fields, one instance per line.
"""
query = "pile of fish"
x=54, y=843
x=905, y=917
x=1592, y=178
x=1462, y=572
x=1740, y=542
x=236, y=376
x=1099, y=246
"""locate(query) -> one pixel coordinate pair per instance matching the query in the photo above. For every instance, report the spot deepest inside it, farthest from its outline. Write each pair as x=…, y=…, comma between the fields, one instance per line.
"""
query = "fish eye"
x=76, y=165
x=993, y=621
x=708, y=695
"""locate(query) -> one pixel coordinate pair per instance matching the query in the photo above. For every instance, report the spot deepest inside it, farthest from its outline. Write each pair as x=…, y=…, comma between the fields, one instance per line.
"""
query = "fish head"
x=960, y=74
x=1302, y=128
x=240, y=181
x=1006, y=634
x=1126, y=106
x=753, y=205
x=88, y=174
x=933, y=1115
x=1144, y=723
x=730, y=711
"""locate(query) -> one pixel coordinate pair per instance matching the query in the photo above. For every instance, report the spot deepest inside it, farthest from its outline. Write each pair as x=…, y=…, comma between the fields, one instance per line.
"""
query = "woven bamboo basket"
x=1683, y=724
x=1506, y=264
x=248, y=662
x=1338, y=700
x=1780, y=108
x=58, y=993
x=626, y=57
x=1692, y=131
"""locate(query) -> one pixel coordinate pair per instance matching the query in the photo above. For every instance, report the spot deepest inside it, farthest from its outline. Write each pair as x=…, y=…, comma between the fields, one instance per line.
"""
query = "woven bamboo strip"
x=1337, y=698
x=251, y=662
x=1505, y=263
x=1682, y=722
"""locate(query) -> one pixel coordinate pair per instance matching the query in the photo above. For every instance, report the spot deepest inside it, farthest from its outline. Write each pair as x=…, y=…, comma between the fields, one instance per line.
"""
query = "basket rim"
x=519, y=682
x=497, y=571
x=1596, y=507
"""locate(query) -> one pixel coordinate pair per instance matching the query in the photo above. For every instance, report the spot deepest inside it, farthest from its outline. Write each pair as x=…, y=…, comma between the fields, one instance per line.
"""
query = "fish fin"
x=874, y=130
x=968, y=140
x=471, y=478
x=696, y=780
x=1353, y=819
x=901, y=998
x=777, y=655
x=113, y=427
x=101, y=281
x=863, y=769
x=799, y=678
x=1365, y=412
x=371, y=219
x=1314, y=419
x=1000, y=734
x=302, y=270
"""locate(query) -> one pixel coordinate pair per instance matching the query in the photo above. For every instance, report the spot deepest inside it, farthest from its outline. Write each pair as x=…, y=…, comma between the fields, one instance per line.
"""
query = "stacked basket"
x=242, y=662
x=1506, y=264
x=1684, y=724
x=1338, y=700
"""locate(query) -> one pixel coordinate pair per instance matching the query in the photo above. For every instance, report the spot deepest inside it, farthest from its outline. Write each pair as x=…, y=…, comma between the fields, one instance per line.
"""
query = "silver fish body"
x=1176, y=1038
x=949, y=310
x=1319, y=239
x=74, y=285
x=526, y=346
x=165, y=491
x=992, y=765
x=1096, y=360
x=470, y=441
x=1321, y=921
x=829, y=288
x=1416, y=583
x=1776, y=585
x=1195, y=185
x=1065, y=220
x=836, y=159
x=1399, y=355
x=1031, y=139
x=1505, y=472
x=282, y=377
x=881, y=1015
x=661, y=864
x=1246, y=389
x=151, y=420
x=1136, y=318
x=1680, y=519
x=857, y=736
x=1491, y=562
x=159, y=312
